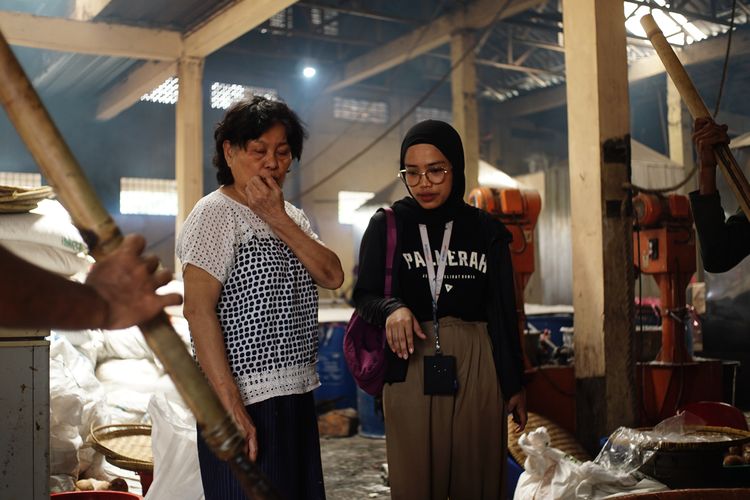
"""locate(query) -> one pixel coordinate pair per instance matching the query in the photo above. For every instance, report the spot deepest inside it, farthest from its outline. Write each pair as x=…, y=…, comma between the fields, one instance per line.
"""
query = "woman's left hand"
x=265, y=198
x=517, y=406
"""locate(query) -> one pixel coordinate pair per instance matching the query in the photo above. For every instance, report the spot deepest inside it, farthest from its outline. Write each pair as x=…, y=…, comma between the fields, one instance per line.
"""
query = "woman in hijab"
x=454, y=363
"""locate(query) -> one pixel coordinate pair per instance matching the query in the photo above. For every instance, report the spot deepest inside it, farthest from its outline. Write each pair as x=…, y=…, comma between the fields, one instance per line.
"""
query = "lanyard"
x=436, y=280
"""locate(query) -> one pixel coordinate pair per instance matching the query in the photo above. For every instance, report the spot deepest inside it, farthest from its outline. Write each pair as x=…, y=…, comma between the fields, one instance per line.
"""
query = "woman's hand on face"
x=265, y=198
x=247, y=428
x=400, y=328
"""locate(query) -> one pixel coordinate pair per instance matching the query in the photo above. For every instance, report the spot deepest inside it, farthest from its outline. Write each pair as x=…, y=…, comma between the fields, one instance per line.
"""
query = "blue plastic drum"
x=337, y=389
x=371, y=424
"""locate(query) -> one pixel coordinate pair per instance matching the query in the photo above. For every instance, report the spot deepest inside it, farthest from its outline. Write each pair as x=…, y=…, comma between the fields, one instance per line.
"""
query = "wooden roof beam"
x=96, y=38
x=221, y=29
x=136, y=84
x=230, y=24
x=426, y=38
x=712, y=49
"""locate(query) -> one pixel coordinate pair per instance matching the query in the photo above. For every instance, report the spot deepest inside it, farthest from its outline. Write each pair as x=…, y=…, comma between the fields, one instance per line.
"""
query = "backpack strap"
x=390, y=246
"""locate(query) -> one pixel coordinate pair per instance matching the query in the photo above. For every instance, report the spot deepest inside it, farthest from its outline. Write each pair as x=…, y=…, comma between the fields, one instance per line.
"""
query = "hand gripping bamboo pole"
x=34, y=125
x=697, y=108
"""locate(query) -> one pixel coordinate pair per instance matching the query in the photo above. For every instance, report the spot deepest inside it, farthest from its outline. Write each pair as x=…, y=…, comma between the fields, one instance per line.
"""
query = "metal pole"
x=56, y=161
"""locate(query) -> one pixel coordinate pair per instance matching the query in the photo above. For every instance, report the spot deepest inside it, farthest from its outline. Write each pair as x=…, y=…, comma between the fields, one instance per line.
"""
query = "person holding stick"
x=724, y=242
x=119, y=292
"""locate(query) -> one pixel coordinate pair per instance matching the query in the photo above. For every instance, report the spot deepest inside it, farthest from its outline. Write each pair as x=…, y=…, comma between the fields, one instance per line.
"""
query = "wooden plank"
x=136, y=84
x=97, y=38
x=598, y=114
x=477, y=15
x=230, y=24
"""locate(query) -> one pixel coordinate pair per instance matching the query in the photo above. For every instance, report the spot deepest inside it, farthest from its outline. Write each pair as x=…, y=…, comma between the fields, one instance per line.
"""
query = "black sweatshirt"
x=723, y=243
x=478, y=283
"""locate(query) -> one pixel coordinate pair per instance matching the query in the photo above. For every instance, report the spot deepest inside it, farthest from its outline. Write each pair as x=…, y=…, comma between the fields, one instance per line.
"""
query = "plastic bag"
x=552, y=475
x=173, y=434
x=549, y=474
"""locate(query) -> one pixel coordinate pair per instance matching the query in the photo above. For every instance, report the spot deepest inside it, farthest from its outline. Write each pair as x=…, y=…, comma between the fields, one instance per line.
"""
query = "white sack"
x=128, y=343
x=48, y=224
x=173, y=434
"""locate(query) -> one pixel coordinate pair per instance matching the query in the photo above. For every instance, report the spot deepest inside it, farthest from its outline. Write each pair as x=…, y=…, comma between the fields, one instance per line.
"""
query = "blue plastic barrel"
x=337, y=385
x=514, y=472
x=371, y=424
x=551, y=322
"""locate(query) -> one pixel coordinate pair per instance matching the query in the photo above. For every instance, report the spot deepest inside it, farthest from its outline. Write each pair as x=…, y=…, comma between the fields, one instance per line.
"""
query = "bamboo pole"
x=697, y=108
x=59, y=166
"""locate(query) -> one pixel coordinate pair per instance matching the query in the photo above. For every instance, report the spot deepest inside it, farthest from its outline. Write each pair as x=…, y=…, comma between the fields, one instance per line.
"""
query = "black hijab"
x=446, y=139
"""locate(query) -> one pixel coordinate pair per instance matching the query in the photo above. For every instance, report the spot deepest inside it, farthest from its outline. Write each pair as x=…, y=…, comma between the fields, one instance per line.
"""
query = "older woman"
x=250, y=265
x=454, y=363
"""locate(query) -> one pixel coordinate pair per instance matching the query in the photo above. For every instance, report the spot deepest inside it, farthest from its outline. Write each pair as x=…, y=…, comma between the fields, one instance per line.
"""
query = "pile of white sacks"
x=100, y=377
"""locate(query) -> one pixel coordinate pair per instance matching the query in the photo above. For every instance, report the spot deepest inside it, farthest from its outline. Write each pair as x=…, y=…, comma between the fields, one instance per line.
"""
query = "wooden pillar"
x=464, y=96
x=599, y=150
x=189, y=139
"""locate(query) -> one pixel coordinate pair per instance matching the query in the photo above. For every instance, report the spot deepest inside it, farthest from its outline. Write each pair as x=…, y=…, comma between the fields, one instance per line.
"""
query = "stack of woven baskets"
x=19, y=200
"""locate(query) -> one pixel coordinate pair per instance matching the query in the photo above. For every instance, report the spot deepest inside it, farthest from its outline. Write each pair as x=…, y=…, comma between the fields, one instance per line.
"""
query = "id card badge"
x=440, y=375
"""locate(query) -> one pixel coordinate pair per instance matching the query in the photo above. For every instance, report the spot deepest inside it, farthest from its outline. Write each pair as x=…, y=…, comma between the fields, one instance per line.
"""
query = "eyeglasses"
x=412, y=177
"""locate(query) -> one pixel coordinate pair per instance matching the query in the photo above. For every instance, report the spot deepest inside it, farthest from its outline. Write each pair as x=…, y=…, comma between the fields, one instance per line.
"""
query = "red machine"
x=664, y=246
x=518, y=210
x=550, y=390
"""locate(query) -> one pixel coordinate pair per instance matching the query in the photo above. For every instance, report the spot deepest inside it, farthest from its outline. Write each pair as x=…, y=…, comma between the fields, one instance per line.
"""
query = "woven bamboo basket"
x=559, y=438
x=127, y=446
x=698, y=464
x=19, y=200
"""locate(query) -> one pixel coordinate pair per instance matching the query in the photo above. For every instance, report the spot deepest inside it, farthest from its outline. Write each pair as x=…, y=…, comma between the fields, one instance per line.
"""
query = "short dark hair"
x=246, y=121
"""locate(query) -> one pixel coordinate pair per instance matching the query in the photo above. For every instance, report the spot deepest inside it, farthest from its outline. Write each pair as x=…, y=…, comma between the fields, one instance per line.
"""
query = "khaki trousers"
x=441, y=447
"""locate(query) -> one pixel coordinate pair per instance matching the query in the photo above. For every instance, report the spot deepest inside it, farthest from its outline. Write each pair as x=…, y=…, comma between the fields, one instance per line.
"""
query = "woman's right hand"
x=400, y=328
x=247, y=428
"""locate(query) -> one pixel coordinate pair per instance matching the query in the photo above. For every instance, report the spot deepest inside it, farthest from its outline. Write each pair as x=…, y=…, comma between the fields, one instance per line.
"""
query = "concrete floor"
x=353, y=468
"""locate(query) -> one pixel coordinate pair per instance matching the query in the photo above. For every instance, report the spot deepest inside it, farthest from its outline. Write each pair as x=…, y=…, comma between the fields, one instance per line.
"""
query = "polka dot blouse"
x=268, y=307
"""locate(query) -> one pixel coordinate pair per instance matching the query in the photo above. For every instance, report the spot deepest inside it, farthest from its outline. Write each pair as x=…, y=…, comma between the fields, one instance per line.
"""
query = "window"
x=326, y=18
x=20, y=179
x=350, y=203
x=148, y=196
x=224, y=95
x=356, y=110
x=166, y=93
x=283, y=20
x=434, y=114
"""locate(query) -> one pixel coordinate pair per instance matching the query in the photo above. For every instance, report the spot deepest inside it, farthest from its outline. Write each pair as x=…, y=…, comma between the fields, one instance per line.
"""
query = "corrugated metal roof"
x=76, y=74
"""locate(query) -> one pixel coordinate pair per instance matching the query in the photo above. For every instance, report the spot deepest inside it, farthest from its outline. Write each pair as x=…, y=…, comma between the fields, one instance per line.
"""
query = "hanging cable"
x=726, y=59
x=408, y=112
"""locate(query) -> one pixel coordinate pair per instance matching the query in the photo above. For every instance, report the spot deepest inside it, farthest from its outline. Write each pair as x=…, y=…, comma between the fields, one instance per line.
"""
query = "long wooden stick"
x=697, y=108
x=34, y=125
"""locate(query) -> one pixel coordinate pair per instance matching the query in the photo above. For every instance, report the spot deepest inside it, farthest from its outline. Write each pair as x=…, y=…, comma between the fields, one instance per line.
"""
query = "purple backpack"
x=364, y=343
